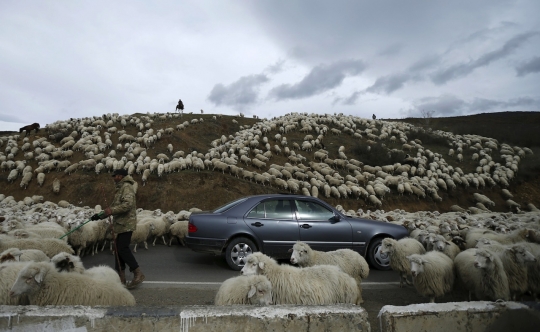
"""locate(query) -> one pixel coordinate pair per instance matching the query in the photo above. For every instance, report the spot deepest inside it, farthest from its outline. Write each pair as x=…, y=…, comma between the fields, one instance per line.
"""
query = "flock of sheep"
x=495, y=256
x=444, y=243
x=102, y=144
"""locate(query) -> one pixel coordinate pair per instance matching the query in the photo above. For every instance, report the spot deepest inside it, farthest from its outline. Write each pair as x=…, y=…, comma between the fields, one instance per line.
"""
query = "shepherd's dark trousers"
x=124, y=254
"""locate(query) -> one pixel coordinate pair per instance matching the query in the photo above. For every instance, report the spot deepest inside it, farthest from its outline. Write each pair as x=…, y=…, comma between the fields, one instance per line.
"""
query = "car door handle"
x=257, y=224
x=306, y=226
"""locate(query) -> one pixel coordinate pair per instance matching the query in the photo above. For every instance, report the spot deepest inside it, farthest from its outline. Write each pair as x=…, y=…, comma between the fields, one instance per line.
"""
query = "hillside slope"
x=209, y=189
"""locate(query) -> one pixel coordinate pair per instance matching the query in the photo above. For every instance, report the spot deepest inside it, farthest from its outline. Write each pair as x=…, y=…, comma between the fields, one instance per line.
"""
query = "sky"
x=392, y=58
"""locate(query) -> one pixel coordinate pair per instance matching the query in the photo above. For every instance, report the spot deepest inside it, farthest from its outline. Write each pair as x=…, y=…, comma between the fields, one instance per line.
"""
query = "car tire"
x=374, y=256
x=237, y=252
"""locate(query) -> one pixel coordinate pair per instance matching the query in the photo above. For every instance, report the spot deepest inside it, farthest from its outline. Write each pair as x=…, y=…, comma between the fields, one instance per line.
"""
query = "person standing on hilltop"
x=124, y=210
x=180, y=106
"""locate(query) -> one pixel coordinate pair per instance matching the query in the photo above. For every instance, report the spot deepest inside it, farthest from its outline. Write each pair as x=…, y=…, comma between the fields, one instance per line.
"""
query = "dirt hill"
x=209, y=189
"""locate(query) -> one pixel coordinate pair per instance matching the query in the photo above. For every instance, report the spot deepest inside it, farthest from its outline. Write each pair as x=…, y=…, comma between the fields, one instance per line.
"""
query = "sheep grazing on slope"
x=45, y=286
x=26, y=255
x=316, y=285
x=8, y=274
x=398, y=251
x=493, y=281
x=56, y=186
x=483, y=199
x=433, y=274
x=252, y=289
x=347, y=260
x=50, y=247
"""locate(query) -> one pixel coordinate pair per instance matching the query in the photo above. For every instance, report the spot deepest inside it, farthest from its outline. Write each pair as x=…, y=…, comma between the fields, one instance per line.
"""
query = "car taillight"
x=191, y=228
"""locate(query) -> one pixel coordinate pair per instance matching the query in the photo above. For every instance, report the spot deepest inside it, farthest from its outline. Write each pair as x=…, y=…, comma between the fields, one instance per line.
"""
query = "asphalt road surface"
x=177, y=276
x=176, y=266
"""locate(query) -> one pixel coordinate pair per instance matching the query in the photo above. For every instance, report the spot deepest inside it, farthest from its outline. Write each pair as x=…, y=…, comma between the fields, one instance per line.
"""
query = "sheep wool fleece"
x=124, y=206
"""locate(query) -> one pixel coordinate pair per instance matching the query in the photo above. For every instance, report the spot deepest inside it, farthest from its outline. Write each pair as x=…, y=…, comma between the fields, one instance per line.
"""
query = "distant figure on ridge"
x=180, y=106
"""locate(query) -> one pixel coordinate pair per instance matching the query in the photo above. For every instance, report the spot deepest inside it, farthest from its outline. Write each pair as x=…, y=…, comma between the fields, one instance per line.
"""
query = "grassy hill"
x=209, y=189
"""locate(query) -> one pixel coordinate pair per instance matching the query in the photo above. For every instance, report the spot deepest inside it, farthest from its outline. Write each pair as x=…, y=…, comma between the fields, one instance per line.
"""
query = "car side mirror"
x=335, y=218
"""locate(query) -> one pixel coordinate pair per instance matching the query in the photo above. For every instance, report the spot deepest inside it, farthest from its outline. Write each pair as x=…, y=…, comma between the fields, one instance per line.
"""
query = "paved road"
x=177, y=266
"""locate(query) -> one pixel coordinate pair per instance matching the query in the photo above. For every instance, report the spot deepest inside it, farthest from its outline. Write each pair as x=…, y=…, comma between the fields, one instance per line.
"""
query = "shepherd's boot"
x=138, y=277
x=122, y=274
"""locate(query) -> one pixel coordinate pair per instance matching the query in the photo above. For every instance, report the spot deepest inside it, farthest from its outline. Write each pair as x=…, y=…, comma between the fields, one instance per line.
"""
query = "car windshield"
x=229, y=205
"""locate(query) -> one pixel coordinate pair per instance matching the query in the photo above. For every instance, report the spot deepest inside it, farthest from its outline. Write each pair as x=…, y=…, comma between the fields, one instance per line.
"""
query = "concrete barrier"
x=184, y=319
x=461, y=316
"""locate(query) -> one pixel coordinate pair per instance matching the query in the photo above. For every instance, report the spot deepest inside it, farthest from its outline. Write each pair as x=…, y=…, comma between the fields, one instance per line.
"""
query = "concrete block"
x=461, y=316
x=184, y=319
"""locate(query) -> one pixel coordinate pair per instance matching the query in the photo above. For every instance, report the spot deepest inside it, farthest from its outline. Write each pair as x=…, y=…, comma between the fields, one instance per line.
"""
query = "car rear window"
x=229, y=205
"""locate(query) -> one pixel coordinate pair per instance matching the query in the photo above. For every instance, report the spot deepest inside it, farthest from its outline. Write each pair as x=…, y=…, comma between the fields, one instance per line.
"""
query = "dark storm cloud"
x=450, y=105
x=320, y=79
x=391, y=50
x=528, y=67
x=463, y=69
x=276, y=67
x=239, y=94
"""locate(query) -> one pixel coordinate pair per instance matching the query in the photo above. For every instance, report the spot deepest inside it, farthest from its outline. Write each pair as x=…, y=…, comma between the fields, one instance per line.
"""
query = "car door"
x=274, y=224
x=319, y=229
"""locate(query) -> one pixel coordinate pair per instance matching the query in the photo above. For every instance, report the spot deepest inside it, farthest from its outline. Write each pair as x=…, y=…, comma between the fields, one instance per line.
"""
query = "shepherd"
x=29, y=128
x=180, y=106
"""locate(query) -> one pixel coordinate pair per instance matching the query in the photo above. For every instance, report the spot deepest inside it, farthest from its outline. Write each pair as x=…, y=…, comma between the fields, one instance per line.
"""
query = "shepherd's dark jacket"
x=124, y=206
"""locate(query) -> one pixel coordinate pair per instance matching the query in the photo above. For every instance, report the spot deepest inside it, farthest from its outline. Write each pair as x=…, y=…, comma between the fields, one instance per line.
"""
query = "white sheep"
x=49, y=246
x=161, y=224
x=179, y=230
x=347, y=260
x=316, y=285
x=141, y=234
x=515, y=259
x=493, y=280
x=518, y=235
x=448, y=248
x=26, y=255
x=433, y=274
x=8, y=274
x=56, y=186
x=64, y=262
x=398, y=251
x=512, y=205
x=45, y=286
x=483, y=199
x=252, y=289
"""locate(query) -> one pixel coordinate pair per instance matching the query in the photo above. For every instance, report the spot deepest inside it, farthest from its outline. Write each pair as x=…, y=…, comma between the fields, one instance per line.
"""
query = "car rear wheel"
x=237, y=252
x=377, y=259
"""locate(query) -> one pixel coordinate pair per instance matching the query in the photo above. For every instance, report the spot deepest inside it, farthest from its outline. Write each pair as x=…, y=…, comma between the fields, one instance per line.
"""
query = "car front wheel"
x=237, y=252
x=377, y=259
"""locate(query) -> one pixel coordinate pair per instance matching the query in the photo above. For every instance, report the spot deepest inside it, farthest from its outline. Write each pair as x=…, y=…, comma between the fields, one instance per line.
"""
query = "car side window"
x=312, y=211
x=272, y=209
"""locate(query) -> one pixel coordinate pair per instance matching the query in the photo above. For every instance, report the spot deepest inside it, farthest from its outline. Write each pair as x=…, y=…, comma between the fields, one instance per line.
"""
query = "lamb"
x=316, y=285
x=398, y=251
x=433, y=274
x=347, y=260
x=67, y=288
x=252, y=289
x=26, y=255
x=49, y=246
x=161, y=226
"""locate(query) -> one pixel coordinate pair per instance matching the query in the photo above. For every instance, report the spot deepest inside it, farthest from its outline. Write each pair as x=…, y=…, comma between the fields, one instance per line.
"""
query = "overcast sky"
x=392, y=58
